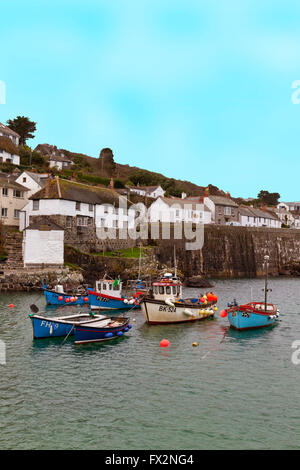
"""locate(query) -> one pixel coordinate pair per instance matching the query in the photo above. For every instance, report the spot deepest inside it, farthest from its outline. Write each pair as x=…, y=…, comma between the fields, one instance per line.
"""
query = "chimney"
x=206, y=192
x=201, y=199
x=111, y=184
x=47, y=187
x=228, y=194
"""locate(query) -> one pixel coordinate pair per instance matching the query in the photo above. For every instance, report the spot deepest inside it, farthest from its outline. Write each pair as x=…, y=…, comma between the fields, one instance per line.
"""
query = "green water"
x=236, y=390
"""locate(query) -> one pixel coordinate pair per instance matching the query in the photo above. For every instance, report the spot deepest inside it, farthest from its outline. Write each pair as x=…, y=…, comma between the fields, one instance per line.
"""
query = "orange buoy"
x=223, y=313
x=165, y=343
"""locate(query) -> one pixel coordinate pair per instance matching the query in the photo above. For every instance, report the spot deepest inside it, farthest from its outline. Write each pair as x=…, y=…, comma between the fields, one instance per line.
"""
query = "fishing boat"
x=166, y=305
x=102, y=330
x=107, y=295
x=50, y=327
x=58, y=296
x=252, y=314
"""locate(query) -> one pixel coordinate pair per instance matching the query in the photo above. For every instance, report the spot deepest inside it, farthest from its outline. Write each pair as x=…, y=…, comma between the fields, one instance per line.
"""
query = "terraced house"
x=13, y=197
x=80, y=210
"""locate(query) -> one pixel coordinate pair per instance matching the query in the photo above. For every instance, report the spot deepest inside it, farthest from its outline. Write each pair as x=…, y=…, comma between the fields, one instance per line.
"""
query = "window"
x=4, y=191
x=227, y=211
x=4, y=212
x=77, y=206
x=36, y=205
x=104, y=286
x=69, y=221
x=168, y=290
x=177, y=213
x=16, y=214
x=174, y=290
x=232, y=211
x=82, y=221
x=220, y=210
x=18, y=193
x=24, y=179
x=91, y=207
x=161, y=290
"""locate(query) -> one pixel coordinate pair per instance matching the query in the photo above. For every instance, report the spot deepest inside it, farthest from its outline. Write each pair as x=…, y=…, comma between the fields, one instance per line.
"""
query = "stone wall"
x=234, y=251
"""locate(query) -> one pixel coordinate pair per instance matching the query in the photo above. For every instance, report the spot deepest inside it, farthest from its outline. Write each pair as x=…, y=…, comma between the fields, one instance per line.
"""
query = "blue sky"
x=197, y=90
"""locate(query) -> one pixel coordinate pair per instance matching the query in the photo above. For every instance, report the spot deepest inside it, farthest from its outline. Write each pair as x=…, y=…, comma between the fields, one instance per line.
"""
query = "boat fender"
x=168, y=302
x=51, y=329
x=188, y=312
x=120, y=333
x=108, y=335
x=125, y=301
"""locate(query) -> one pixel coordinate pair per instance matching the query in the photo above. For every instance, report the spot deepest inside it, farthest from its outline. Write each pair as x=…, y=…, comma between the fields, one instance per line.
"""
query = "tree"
x=23, y=126
x=106, y=162
x=270, y=199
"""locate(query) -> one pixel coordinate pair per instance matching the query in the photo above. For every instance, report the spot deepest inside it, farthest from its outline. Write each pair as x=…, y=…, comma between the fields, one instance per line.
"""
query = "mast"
x=140, y=262
x=175, y=265
x=266, y=266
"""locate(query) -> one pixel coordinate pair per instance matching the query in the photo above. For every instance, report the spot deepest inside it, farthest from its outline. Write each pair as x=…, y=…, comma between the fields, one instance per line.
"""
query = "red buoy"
x=60, y=297
x=165, y=343
x=67, y=299
x=11, y=305
x=223, y=313
x=86, y=299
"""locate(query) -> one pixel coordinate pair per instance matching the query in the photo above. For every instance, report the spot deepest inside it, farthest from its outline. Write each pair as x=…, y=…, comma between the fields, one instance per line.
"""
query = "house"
x=32, y=181
x=255, y=217
x=43, y=245
x=9, y=152
x=60, y=162
x=9, y=134
x=13, y=197
x=223, y=209
x=290, y=206
x=174, y=210
x=149, y=191
x=78, y=208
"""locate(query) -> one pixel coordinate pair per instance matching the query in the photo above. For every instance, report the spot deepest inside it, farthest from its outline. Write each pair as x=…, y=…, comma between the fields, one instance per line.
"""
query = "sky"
x=199, y=90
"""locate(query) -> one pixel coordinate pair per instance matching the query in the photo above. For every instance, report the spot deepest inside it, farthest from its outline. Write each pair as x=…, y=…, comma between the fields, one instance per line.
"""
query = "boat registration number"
x=102, y=299
x=163, y=308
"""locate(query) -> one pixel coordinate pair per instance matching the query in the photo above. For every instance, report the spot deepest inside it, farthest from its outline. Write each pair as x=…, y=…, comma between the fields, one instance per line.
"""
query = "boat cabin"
x=107, y=287
x=167, y=288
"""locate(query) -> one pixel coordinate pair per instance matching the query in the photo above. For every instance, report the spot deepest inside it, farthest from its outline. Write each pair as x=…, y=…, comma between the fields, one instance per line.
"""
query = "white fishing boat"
x=165, y=304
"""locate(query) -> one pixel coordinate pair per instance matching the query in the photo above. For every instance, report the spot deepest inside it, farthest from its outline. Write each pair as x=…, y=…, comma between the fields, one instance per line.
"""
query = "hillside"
x=91, y=169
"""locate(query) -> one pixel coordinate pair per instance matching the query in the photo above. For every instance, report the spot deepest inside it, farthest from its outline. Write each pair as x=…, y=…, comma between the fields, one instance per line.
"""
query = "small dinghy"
x=50, y=327
x=101, y=330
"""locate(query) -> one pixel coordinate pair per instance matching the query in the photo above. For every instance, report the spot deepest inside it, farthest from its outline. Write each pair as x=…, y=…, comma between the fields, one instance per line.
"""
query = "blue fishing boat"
x=57, y=296
x=50, y=327
x=107, y=295
x=102, y=330
x=253, y=314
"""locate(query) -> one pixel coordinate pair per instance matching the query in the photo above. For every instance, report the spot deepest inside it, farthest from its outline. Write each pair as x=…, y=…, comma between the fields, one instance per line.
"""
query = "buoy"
x=129, y=327
x=67, y=299
x=223, y=313
x=133, y=319
x=126, y=329
x=215, y=309
x=11, y=305
x=125, y=301
x=108, y=335
x=165, y=343
x=86, y=299
x=72, y=299
x=210, y=297
x=195, y=344
x=120, y=333
x=60, y=297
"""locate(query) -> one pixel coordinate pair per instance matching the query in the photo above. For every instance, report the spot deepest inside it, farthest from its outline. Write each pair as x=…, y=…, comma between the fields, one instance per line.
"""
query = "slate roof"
x=44, y=226
x=7, y=145
x=59, y=158
x=7, y=130
x=6, y=182
x=223, y=201
x=59, y=188
x=39, y=178
x=254, y=212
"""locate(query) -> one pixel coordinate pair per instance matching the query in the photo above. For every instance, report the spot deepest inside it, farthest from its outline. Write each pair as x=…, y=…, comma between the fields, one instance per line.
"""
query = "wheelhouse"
x=167, y=288
x=109, y=287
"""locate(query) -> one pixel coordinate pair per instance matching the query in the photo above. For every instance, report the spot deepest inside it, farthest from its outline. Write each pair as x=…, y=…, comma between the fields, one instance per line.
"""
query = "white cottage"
x=178, y=210
x=32, y=181
x=254, y=217
x=79, y=205
x=149, y=191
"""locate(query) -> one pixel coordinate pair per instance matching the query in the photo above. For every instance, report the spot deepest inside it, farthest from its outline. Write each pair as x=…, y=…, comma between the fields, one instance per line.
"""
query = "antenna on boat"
x=175, y=265
x=266, y=266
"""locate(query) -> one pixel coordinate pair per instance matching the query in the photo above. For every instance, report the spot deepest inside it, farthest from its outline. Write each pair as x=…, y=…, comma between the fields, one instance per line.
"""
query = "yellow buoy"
x=195, y=344
x=215, y=309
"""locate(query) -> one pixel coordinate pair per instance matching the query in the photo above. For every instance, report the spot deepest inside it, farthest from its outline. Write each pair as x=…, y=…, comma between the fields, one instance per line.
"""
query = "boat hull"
x=99, y=301
x=158, y=312
x=241, y=320
x=85, y=334
x=46, y=327
x=56, y=298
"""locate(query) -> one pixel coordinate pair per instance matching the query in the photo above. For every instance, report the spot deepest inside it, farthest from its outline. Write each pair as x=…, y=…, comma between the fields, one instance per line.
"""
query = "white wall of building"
x=8, y=157
x=26, y=180
x=251, y=221
x=43, y=247
x=160, y=211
